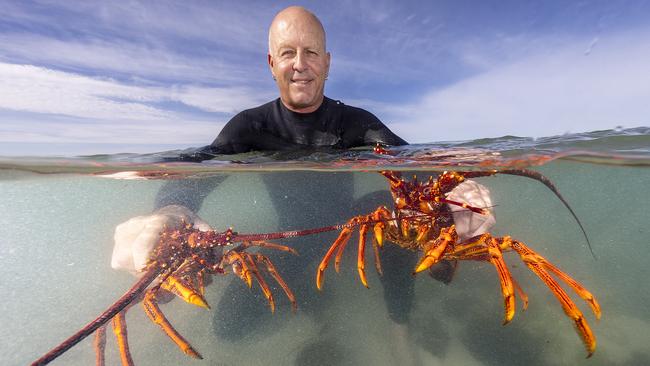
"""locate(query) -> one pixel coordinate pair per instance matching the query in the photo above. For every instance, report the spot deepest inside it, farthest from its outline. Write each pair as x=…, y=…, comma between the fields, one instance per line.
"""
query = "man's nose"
x=299, y=62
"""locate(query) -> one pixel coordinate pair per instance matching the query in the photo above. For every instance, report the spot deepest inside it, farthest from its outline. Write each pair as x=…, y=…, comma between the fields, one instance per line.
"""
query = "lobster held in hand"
x=421, y=221
x=181, y=264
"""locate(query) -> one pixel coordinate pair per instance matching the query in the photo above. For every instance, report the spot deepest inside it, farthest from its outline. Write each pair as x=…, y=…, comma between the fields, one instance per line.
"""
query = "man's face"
x=299, y=62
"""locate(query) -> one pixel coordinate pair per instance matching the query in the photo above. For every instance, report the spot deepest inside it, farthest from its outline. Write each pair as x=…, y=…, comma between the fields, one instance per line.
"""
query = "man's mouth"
x=301, y=82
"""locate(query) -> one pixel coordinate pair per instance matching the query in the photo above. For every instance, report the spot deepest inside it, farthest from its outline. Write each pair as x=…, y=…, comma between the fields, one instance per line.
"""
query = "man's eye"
x=286, y=53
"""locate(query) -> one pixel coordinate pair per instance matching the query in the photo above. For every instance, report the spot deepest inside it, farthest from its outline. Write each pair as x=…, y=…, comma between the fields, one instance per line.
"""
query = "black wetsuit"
x=274, y=127
x=310, y=197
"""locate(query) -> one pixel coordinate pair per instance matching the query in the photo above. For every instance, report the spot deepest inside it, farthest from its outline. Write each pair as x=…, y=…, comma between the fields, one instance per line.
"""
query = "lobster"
x=420, y=221
x=181, y=264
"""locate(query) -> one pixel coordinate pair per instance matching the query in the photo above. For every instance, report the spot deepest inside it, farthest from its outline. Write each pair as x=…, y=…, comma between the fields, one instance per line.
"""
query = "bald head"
x=298, y=59
x=295, y=19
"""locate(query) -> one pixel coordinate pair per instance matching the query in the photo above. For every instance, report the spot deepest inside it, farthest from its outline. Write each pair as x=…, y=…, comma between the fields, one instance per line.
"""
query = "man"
x=302, y=117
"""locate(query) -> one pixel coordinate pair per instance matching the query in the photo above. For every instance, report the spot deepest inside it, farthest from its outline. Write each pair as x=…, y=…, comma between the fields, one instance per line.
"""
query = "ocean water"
x=58, y=217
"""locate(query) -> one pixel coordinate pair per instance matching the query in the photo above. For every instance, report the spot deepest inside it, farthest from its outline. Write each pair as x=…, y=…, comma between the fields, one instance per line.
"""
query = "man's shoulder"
x=352, y=111
x=256, y=112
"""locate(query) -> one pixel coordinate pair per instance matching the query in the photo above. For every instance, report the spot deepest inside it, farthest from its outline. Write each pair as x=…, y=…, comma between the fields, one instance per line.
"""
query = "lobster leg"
x=375, y=250
x=539, y=265
x=263, y=285
x=153, y=311
x=240, y=267
x=577, y=287
x=99, y=344
x=342, y=239
x=436, y=249
x=507, y=287
x=119, y=328
x=266, y=244
x=361, y=254
x=339, y=253
x=379, y=216
x=522, y=294
x=274, y=273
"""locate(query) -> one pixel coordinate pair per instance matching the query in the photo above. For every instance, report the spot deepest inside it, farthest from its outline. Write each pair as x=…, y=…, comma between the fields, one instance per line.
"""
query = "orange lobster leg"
x=378, y=217
x=522, y=294
x=507, y=287
x=274, y=273
x=339, y=253
x=342, y=239
x=538, y=265
x=243, y=271
x=577, y=287
x=375, y=249
x=156, y=316
x=119, y=328
x=361, y=254
x=436, y=250
x=378, y=230
x=263, y=285
x=99, y=344
x=266, y=244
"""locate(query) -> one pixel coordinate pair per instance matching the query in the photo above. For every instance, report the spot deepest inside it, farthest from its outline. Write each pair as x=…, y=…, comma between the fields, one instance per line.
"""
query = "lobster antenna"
x=541, y=178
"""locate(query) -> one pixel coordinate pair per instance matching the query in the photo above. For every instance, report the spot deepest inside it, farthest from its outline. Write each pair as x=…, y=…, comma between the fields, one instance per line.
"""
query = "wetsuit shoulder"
x=362, y=128
x=242, y=132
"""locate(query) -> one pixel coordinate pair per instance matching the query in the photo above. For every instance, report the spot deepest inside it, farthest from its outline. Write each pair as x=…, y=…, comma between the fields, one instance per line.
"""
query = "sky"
x=81, y=77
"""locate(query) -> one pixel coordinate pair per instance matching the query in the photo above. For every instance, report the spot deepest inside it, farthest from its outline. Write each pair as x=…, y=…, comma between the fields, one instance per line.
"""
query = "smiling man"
x=298, y=59
x=303, y=116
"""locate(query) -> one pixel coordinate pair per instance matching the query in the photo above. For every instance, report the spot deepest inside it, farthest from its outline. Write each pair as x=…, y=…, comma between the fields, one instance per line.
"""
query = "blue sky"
x=88, y=73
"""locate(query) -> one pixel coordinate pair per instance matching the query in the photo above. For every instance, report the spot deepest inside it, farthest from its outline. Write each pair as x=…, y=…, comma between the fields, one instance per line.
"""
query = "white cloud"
x=42, y=105
x=43, y=130
x=225, y=100
x=126, y=58
x=36, y=89
x=553, y=92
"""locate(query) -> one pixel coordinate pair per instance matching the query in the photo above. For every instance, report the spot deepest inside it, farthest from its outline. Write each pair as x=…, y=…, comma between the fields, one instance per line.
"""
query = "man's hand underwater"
x=468, y=223
x=136, y=237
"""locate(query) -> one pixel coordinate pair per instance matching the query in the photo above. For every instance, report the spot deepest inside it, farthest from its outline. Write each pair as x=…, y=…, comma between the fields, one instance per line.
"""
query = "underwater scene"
x=58, y=226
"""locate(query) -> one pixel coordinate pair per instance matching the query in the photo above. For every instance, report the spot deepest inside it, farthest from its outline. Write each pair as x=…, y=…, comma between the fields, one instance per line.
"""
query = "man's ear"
x=269, y=60
x=329, y=58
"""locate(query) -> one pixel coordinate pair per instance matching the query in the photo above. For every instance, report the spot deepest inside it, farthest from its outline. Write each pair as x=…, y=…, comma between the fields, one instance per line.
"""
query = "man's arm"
x=187, y=192
x=362, y=128
x=176, y=204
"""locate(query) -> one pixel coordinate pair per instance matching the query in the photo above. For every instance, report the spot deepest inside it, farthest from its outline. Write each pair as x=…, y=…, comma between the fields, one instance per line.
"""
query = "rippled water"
x=58, y=217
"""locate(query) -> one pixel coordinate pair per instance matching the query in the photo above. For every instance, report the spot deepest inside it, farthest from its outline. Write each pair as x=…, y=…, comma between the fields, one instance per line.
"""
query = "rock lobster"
x=421, y=221
x=181, y=264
